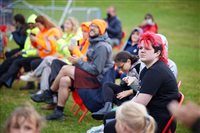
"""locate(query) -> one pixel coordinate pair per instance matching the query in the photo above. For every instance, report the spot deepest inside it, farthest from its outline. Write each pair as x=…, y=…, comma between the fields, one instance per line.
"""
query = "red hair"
x=151, y=39
x=44, y=21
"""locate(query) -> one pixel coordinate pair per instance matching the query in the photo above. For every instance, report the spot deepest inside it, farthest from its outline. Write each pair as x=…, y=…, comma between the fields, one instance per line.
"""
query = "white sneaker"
x=97, y=129
x=29, y=77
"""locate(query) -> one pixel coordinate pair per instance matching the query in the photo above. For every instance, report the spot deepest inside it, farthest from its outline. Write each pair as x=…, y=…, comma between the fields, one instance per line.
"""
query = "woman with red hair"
x=158, y=84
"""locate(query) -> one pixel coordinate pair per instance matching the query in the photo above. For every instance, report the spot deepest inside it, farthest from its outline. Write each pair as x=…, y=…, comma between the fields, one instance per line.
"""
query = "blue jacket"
x=19, y=35
x=114, y=29
x=128, y=46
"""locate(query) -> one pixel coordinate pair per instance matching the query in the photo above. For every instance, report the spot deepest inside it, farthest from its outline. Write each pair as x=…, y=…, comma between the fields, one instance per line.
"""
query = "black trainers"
x=46, y=97
x=99, y=115
x=57, y=115
x=28, y=86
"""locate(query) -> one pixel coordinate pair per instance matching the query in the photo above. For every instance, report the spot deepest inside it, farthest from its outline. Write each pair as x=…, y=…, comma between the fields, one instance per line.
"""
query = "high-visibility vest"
x=82, y=49
x=46, y=42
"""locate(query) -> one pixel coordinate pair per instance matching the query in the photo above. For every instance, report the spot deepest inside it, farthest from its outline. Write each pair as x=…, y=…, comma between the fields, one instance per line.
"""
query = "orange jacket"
x=81, y=52
x=46, y=42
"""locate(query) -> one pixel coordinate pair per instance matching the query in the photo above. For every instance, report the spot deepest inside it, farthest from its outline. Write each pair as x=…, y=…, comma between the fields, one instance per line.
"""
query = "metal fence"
x=5, y=13
x=56, y=13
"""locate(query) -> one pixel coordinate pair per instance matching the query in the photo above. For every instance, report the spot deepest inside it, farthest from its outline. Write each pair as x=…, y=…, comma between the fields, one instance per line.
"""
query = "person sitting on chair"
x=84, y=74
x=158, y=84
x=114, y=28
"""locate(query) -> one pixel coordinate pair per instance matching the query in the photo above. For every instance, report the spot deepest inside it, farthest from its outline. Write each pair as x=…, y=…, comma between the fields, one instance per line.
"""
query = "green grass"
x=178, y=20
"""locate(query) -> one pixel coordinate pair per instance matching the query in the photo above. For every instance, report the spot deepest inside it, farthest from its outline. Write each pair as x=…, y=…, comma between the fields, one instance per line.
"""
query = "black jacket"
x=114, y=29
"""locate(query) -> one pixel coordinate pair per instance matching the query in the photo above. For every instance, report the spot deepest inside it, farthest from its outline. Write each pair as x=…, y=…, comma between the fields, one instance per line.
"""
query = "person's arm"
x=30, y=52
x=19, y=38
x=191, y=117
x=142, y=98
x=124, y=94
x=150, y=84
x=97, y=65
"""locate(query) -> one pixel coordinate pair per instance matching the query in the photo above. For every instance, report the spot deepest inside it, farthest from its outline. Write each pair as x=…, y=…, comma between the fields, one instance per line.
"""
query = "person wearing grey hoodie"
x=87, y=74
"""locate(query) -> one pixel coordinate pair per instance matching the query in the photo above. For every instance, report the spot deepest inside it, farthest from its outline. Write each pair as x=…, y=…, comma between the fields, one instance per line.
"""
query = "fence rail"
x=55, y=13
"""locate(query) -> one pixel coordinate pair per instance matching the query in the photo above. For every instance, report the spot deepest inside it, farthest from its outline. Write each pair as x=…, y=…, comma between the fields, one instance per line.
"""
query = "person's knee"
x=64, y=69
x=67, y=70
x=65, y=82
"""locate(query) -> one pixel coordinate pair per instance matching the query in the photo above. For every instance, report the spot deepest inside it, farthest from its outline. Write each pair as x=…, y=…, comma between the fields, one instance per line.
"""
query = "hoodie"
x=98, y=57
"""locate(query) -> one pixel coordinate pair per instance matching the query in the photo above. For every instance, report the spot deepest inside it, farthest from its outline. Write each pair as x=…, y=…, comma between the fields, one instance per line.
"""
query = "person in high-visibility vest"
x=44, y=42
x=72, y=31
x=57, y=64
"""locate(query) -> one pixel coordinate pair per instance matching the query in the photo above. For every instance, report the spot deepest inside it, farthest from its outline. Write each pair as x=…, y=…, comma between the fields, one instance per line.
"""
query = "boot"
x=100, y=114
x=8, y=83
x=28, y=86
x=57, y=115
x=46, y=97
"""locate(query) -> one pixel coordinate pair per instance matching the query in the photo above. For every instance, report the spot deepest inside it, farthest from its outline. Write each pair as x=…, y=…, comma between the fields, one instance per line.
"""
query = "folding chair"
x=3, y=40
x=172, y=117
x=78, y=101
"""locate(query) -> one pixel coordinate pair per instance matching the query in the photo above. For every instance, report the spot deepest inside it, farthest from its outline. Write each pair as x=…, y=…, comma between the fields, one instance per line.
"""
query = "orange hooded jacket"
x=84, y=43
x=46, y=42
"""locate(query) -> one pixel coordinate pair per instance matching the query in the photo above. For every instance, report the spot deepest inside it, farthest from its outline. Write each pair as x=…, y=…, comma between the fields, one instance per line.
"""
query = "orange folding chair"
x=172, y=117
x=3, y=40
x=78, y=102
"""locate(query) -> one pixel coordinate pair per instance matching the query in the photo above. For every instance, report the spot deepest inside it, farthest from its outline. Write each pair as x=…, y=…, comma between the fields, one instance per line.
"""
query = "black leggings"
x=110, y=91
x=109, y=122
x=55, y=67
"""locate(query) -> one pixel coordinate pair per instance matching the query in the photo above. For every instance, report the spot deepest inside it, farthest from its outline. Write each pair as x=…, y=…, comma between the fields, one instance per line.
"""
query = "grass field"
x=177, y=20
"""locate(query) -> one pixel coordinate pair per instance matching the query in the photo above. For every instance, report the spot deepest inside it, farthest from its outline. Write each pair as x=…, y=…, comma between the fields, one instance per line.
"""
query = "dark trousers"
x=55, y=69
x=13, y=70
x=109, y=122
x=7, y=63
x=35, y=63
x=110, y=91
x=12, y=52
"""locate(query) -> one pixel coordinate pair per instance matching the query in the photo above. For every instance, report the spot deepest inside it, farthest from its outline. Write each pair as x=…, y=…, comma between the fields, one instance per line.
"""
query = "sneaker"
x=97, y=129
x=46, y=97
x=29, y=77
x=28, y=86
x=57, y=115
x=99, y=115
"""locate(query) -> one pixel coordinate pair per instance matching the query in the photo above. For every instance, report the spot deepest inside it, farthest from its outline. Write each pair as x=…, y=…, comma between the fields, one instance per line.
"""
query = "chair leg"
x=82, y=116
x=77, y=111
x=72, y=108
